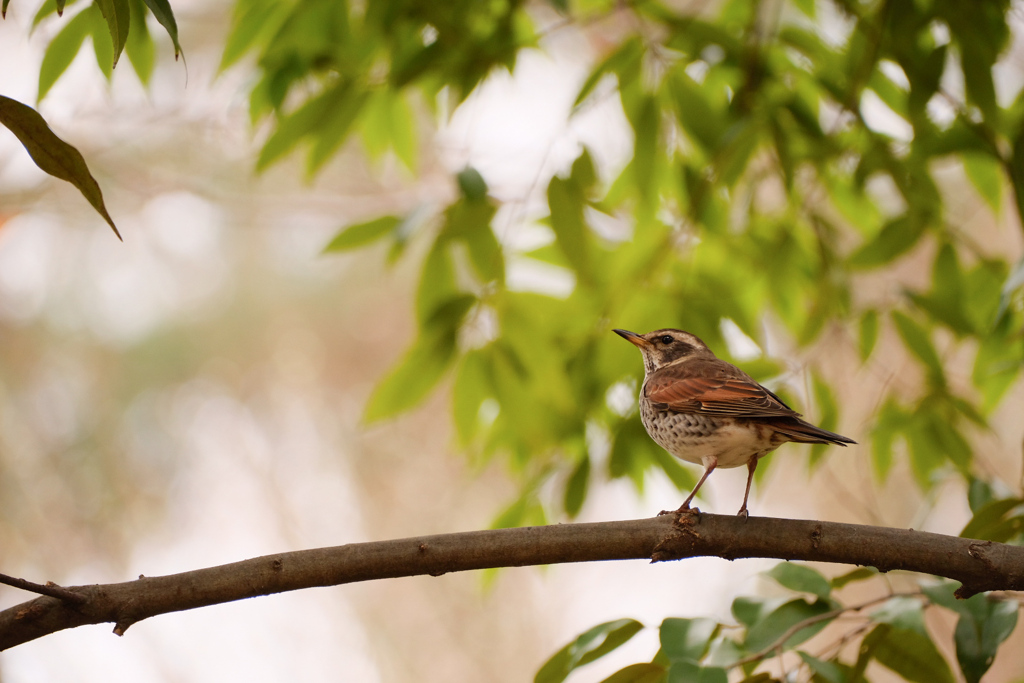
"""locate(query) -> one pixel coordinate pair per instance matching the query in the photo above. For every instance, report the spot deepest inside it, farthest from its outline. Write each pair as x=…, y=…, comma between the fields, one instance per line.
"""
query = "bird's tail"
x=804, y=432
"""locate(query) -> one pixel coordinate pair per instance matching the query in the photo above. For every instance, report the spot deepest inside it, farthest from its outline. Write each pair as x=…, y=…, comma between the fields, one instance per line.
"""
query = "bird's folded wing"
x=735, y=397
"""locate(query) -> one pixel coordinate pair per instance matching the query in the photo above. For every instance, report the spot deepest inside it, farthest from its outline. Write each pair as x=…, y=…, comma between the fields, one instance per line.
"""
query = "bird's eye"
x=667, y=339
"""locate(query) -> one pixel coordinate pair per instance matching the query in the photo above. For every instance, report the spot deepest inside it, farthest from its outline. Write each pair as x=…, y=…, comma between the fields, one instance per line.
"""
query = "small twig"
x=49, y=588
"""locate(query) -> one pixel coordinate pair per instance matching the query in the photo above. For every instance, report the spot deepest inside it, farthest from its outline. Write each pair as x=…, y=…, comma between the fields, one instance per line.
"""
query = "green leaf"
x=892, y=421
x=829, y=671
x=99, y=32
x=335, y=128
x=566, y=203
x=917, y=340
x=868, y=333
x=576, y=487
x=638, y=673
x=470, y=390
x=52, y=154
x=858, y=574
x=117, y=15
x=913, y=656
x=895, y=239
x=361, y=234
x=470, y=222
x=589, y=646
x=986, y=174
x=766, y=632
x=991, y=523
x=686, y=639
x=311, y=117
x=1014, y=281
x=800, y=578
x=161, y=9
x=252, y=21
x=62, y=50
x=626, y=59
x=424, y=364
x=139, y=47
x=902, y=612
x=828, y=412
x=646, y=123
x=689, y=672
x=983, y=626
x=472, y=184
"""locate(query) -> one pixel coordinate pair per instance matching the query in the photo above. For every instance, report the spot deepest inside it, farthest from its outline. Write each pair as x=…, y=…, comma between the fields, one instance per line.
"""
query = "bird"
x=707, y=411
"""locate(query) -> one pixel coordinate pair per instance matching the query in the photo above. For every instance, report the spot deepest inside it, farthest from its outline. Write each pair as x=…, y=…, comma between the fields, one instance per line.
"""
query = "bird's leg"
x=751, y=466
x=709, y=467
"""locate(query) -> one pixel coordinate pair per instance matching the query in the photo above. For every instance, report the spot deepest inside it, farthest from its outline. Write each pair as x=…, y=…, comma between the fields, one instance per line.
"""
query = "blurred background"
x=194, y=395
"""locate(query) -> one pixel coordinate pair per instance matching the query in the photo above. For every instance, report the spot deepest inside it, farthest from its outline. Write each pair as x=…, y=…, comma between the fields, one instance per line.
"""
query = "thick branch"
x=978, y=565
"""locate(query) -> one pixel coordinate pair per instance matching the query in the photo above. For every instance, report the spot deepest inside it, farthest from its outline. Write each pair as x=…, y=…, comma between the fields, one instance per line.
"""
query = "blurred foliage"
x=893, y=629
x=786, y=156
x=752, y=196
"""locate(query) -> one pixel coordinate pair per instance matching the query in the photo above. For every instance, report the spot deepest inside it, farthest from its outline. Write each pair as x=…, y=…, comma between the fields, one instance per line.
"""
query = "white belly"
x=698, y=439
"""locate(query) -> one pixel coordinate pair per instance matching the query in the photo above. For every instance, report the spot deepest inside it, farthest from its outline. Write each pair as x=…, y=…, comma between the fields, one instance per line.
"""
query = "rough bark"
x=978, y=565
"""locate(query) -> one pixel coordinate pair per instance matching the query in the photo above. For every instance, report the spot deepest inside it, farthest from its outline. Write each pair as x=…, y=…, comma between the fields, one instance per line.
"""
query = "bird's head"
x=663, y=347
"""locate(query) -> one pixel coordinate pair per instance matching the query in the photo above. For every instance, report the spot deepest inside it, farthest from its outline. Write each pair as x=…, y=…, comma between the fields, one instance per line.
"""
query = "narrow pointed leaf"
x=161, y=9
x=52, y=154
x=117, y=15
x=62, y=50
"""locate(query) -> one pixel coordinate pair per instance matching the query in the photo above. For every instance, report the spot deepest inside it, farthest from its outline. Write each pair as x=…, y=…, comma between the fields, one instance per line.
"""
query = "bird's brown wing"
x=737, y=396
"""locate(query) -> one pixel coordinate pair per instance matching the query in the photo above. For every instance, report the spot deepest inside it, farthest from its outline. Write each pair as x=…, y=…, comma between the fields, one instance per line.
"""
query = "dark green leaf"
x=991, y=521
x=829, y=671
x=979, y=635
x=161, y=9
x=52, y=154
x=361, y=234
x=800, y=578
x=576, y=487
x=589, y=646
x=117, y=15
x=686, y=639
x=472, y=184
x=689, y=672
x=858, y=574
x=913, y=655
x=638, y=673
x=766, y=632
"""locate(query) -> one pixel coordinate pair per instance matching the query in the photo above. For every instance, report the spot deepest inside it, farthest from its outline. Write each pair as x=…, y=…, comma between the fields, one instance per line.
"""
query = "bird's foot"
x=744, y=513
x=683, y=509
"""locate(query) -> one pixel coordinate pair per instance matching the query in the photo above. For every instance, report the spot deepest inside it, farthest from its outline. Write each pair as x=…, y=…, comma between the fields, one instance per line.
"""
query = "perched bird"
x=704, y=410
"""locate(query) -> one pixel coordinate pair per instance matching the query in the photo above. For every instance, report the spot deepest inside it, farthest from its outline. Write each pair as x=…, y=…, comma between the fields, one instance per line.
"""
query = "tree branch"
x=978, y=565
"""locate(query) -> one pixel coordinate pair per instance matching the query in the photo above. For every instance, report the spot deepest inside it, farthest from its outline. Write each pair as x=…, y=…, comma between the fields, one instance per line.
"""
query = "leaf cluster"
x=890, y=631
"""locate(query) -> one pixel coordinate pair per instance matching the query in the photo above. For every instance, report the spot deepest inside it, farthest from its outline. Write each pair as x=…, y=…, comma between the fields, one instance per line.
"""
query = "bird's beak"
x=633, y=338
